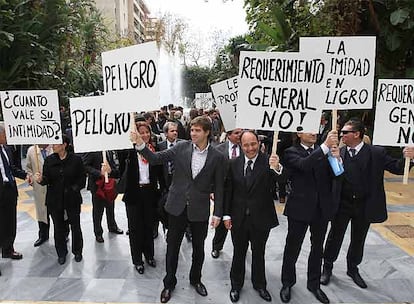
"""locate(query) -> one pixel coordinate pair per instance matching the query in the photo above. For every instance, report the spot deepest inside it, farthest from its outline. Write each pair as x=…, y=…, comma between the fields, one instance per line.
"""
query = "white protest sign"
x=277, y=91
x=31, y=117
x=350, y=63
x=225, y=95
x=94, y=129
x=131, y=75
x=394, y=115
x=204, y=100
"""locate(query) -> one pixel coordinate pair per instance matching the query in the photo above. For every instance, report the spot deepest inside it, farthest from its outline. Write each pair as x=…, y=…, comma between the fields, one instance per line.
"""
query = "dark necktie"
x=44, y=154
x=6, y=165
x=310, y=150
x=234, y=151
x=352, y=151
x=249, y=172
x=171, y=163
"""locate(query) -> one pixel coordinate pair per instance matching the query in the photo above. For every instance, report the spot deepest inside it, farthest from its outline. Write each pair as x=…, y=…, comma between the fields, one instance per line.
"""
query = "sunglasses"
x=347, y=131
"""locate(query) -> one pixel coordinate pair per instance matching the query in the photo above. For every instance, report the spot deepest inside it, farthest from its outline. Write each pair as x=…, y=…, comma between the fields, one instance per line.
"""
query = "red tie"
x=234, y=152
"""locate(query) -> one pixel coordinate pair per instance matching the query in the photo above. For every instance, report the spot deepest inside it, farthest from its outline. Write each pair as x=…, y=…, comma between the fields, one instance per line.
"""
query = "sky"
x=206, y=16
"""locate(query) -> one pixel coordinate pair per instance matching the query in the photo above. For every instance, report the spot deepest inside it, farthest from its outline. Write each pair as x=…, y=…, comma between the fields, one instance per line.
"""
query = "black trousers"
x=61, y=230
x=241, y=237
x=349, y=210
x=8, y=205
x=141, y=217
x=98, y=207
x=44, y=230
x=294, y=239
x=219, y=236
x=176, y=229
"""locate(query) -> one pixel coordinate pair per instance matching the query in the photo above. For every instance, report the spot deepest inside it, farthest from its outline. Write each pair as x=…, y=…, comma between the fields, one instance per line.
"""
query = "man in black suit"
x=96, y=168
x=197, y=170
x=362, y=197
x=250, y=211
x=312, y=203
x=230, y=149
x=8, y=199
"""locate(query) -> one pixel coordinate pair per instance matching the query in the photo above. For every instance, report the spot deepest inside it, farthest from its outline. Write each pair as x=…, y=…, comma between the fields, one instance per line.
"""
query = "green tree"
x=195, y=80
x=51, y=44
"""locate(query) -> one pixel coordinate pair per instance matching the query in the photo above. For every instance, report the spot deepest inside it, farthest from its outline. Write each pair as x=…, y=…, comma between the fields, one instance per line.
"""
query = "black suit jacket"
x=314, y=186
x=186, y=191
x=132, y=195
x=19, y=173
x=377, y=160
x=64, y=180
x=258, y=197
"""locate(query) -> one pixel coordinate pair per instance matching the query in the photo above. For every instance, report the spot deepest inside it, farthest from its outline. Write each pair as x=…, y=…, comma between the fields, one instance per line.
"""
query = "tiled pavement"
x=106, y=273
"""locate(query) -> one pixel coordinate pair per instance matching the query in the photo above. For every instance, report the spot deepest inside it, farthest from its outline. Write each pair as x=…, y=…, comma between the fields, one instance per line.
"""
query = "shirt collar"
x=200, y=151
x=246, y=159
x=306, y=147
x=357, y=148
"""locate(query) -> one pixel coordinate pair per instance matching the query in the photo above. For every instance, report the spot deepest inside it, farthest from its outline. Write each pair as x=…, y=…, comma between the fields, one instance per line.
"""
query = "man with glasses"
x=362, y=197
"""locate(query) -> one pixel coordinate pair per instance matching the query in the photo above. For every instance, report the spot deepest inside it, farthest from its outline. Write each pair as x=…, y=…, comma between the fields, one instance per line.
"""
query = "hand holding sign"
x=332, y=139
x=409, y=152
x=136, y=138
x=274, y=162
x=105, y=168
x=38, y=177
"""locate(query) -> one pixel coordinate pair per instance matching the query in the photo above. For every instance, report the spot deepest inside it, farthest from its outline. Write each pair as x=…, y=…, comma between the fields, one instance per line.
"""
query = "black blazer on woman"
x=64, y=179
x=131, y=195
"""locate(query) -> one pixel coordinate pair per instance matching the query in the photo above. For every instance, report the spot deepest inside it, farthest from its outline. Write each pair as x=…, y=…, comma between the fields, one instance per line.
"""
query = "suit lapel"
x=342, y=152
x=226, y=149
x=208, y=162
x=187, y=157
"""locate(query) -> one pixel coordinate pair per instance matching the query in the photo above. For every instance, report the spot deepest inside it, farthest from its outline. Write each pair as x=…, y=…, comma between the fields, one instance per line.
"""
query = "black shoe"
x=200, y=288
x=326, y=276
x=78, y=257
x=152, y=263
x=14, y=255
x=116, y=231
x=140, y=268
x=264, y=294
x=165, y=295
x=356, y=277
x=285, y=294
x=234, y=295
x=40, y=241
x=100, y=239
x=215, y=254
x=62, y=260
x=320, y=295
x=127, y=232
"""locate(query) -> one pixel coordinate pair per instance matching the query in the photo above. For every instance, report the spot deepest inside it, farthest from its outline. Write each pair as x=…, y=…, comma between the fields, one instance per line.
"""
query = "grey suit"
x=188, y=203
x=186, y=192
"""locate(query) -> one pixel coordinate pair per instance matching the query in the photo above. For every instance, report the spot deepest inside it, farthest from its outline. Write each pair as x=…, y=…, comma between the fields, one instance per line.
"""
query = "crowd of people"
x=179, y=165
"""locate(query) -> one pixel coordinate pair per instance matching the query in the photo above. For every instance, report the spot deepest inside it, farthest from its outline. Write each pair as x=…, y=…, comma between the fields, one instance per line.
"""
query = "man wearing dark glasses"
x=362, y=197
